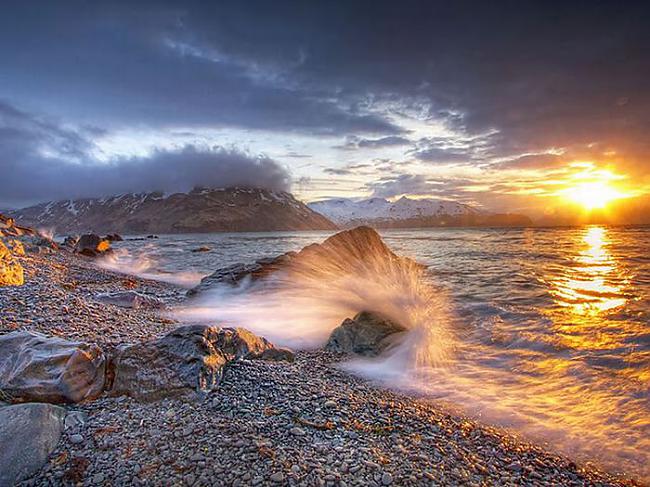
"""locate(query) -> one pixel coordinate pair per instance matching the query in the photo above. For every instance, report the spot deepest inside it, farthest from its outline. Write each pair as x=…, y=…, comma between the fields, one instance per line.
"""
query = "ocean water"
x=544, y=331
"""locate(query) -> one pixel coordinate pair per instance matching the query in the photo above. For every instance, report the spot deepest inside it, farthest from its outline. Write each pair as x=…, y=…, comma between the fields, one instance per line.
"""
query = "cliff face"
x=199, y=211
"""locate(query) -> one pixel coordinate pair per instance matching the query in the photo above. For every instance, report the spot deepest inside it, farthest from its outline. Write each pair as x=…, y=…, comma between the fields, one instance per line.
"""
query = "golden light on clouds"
x=593, y=195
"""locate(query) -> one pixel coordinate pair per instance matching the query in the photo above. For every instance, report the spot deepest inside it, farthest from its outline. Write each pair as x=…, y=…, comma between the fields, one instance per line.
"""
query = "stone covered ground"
x=269, y=423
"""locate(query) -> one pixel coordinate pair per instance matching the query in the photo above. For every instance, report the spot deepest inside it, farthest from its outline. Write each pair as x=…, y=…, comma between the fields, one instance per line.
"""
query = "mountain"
x=407, y=212
x=201, y=210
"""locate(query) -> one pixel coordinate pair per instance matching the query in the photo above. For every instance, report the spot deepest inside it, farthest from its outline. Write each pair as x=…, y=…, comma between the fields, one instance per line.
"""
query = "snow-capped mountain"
x=200, y=210
x=344, y=211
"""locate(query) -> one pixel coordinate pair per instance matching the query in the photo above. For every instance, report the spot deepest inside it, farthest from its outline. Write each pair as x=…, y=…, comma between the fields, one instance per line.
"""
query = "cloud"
x=531, y=162
x=412, y=184
x=40, y=161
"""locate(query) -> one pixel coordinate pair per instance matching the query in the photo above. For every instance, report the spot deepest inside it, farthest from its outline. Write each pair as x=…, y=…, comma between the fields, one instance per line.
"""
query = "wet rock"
x=11, y=272
x=28, y=434
x=347, y=252
x=201, y=249
x=92, y=245
x=131, y=299
x=34, y=367
x=366, y=334
x=189, y=360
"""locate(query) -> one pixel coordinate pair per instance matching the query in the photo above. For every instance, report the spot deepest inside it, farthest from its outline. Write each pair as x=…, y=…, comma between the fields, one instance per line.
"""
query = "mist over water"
x=546, y=331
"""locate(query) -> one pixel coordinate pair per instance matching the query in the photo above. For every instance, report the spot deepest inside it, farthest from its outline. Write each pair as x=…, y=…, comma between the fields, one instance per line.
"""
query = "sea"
x=543, y=331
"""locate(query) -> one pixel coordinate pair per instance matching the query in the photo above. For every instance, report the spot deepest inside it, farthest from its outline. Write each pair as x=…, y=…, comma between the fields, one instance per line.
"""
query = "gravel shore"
x=270, y=423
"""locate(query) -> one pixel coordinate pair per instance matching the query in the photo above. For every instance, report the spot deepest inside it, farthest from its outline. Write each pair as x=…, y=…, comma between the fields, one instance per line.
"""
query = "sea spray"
x=299, y=305
x=144, y=264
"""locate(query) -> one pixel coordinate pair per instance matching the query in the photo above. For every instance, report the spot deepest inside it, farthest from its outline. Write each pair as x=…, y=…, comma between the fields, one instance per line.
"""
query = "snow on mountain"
x=200, y=210
x=344, y=210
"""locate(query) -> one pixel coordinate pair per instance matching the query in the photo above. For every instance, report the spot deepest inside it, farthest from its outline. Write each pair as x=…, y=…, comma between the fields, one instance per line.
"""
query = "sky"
x=503, y=105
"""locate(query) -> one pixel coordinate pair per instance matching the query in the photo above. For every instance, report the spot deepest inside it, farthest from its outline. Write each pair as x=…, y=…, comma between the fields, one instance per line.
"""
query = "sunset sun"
x=593, y=195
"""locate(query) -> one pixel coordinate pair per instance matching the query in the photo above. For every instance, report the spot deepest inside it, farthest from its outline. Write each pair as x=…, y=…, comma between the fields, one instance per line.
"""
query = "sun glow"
x=593, y=195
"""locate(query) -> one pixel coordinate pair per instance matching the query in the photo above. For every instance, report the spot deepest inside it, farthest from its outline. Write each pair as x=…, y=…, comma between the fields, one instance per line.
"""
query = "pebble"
x=76, y=439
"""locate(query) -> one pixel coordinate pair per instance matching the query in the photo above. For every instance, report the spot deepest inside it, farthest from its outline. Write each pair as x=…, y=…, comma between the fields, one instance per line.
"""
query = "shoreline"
x=304, y=423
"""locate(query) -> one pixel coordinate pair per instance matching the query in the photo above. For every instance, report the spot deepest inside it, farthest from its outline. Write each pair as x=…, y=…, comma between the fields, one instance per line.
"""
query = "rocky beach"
x=259, y=415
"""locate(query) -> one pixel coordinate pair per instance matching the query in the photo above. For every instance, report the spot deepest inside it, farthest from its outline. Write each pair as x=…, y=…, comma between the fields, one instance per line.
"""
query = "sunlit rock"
x=347, y=252
x=188, y=360
x=11, y=272
x=92, y=245
x=366, y=334
x=34, y=367
x=28, y=434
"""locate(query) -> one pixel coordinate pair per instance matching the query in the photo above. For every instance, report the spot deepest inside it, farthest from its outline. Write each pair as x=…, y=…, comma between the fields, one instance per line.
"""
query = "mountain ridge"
x=409, y=212
x=201, y=210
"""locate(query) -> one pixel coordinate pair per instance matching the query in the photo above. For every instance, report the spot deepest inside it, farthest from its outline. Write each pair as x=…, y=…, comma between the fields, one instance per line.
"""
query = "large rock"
x=11, y=272
x=34, y=367
x=347, y=252
x=8, y=228
x=28, y=434
x=366, y=334
x=189, y=360
x=92, y=245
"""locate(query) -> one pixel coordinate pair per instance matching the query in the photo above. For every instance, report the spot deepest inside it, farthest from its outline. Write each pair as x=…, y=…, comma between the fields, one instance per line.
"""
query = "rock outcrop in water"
x=34, y=367
x=28, y=434
x=347, y=252
x=202, y=210
x=189, y=360
x=366, y=334
x=92, y=245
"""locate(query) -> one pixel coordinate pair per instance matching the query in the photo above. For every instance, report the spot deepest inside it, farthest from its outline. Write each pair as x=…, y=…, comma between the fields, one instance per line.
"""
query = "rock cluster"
x=190, y=359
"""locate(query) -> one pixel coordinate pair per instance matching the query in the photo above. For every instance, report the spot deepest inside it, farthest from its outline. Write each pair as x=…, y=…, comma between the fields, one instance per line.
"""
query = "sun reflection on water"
x=593, y=284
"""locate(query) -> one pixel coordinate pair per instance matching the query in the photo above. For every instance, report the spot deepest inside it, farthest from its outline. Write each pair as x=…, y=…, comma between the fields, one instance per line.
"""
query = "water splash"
x=144, y=264
x=300, y=305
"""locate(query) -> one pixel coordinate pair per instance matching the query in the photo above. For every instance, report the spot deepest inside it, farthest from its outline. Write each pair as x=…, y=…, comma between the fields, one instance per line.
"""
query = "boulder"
x=347, y=252
x=188, y=361
x=11, y=272
x=131, y=299
x=28, y=435
x=92, y=245
x=366, y=334
x=37, y=368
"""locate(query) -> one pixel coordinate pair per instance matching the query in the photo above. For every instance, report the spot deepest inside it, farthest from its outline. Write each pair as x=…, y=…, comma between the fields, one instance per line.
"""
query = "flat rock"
x=37, y=368
x=189, y=360
x=366, y=334
x=28, y=434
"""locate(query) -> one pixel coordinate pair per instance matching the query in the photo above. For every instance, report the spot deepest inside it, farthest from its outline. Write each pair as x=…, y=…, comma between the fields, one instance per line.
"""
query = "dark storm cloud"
x=354, y=142
x=40, y=161
x=534, y=76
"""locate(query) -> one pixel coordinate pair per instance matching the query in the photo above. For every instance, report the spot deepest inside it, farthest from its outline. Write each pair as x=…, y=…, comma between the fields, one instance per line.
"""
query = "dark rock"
x=92, y=245
x=28, y=434
x=189, y=360
x=71, y=241
x=34, y=367
x=366, y=334
x=202, y=249
x=152, y=236
x=114, y=237
x=131, y=299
